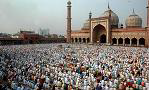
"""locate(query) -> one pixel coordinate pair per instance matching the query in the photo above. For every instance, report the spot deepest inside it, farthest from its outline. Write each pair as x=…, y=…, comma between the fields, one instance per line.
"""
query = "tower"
x=148, y=14
x=69, y=21
x=90, y=17
x=109, y=27
x=147, y=34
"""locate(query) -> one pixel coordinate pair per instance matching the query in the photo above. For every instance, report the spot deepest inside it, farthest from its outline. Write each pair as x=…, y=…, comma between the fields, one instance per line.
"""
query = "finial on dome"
x=69, y=2
x=108, y=6
x=133, y=11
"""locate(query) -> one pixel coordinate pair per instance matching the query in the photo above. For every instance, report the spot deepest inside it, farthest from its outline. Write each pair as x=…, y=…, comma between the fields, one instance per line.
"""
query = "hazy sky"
x=35, y=14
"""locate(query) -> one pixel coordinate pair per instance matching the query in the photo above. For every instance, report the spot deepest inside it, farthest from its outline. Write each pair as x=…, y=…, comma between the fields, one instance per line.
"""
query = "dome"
x=86, y=25
x=114, y=17
x=134, y=20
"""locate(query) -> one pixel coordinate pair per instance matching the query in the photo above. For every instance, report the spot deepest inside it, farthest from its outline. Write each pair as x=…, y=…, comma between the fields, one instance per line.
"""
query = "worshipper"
x=72, y=67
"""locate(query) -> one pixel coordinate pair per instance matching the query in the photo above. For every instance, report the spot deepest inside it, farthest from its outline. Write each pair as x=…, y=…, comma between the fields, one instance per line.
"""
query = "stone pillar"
x=77, y=40
x=73, y=40
x=123, y=42
x=137, y=42
x=86, y=40
x=69, y=22
x=90, y=28
x=82, y=40
x=130, y=42
x=117, y=41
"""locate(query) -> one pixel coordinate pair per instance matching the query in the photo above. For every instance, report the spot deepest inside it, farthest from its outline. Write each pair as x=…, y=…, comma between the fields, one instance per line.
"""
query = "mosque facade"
x=107, y=30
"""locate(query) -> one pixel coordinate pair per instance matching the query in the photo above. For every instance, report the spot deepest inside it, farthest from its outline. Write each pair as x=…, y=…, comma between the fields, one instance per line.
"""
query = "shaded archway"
x=30, y=41
x=88, y=40
x=127, y=41
x=0, y=42
x=103, y=38
x=114, y=41
x=84, y=40
x=134, y=42
x=142, y=41
x=99, y=34
x=76, y=40
x=80, y=40
x=120, y=41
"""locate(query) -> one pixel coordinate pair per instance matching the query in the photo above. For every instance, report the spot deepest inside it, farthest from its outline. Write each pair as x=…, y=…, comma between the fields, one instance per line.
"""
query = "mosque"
x=107, y=30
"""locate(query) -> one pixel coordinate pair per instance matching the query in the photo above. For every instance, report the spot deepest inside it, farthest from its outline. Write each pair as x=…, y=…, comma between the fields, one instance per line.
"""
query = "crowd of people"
x=73, y=67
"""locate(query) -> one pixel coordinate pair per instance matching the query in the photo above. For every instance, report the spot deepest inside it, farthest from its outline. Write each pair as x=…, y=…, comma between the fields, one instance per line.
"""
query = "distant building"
x=27, y=31
x=30, y=36
x=4, y=35
x=53, y=36
x=44, y=32
x=61, y=36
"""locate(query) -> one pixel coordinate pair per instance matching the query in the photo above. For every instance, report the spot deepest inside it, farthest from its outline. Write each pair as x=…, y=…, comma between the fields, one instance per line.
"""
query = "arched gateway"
x=99, y=34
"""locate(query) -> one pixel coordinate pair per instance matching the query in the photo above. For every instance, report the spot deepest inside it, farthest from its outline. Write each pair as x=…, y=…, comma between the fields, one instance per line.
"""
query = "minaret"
x=148, y=15
x=90, y=17
x=109, y=27
x=69, y=21
x=147, y=24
